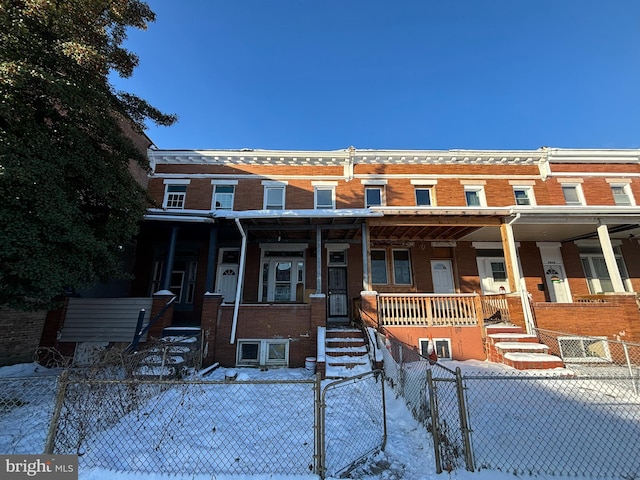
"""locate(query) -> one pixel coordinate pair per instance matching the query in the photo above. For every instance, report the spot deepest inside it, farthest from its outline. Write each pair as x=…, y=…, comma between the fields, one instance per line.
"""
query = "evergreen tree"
x=69, y=204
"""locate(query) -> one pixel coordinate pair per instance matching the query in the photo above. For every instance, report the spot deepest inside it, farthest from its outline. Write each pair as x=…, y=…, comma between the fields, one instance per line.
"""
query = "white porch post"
x=610, y=259
x=366, y=279
x=318, y=260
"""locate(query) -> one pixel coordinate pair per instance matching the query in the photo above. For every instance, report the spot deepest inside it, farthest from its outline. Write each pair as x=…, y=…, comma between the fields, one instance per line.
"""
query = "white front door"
x=442, y=275
x=493, y=275
x=227, y=282
x=556, y=283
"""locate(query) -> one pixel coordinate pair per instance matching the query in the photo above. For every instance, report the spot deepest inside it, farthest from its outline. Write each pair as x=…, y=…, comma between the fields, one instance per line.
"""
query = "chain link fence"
x=574, y=422
x=115, y=415
x=26, y=408
x=353, y=422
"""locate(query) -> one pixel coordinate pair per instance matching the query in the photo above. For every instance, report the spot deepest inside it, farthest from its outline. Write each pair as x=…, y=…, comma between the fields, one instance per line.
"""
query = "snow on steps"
x=170, y=360
x=507, y=344
x=346, y=353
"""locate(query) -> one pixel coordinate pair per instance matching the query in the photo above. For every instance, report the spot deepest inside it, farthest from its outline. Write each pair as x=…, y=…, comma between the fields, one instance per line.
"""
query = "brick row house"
x=264, y=249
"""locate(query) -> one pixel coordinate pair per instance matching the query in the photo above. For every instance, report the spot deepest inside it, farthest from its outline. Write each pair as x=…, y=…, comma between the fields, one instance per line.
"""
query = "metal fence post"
x=434, y=420
x=53, y=425
x=630, y=367
x=464, y=424
x=320, y=415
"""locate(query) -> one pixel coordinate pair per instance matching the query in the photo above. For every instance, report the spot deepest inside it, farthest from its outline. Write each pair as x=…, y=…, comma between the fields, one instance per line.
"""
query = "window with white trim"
x=379, y=267
x=174, y=196
x=324, y=197
x=263, y=352
x=274, y=197
x=373, y=196
x=282, y=277
x=223, y=197
x=442, y=347
x=401, y=267
x=474, y=196
x=423, y=196
x=572, y=193
x=622, y=194
x=596, y=272
x=523, y=195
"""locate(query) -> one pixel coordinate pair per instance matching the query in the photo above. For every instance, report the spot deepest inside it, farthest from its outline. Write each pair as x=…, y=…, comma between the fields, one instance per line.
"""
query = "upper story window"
x=474, y=196
x=223, y=194
x=175, y=194
x=324, y=195
x=423, y=196
x=622, y=194
x=274, y=195
x=424, y=192
x=572, y=193
x=523, y=195
x=373, y=196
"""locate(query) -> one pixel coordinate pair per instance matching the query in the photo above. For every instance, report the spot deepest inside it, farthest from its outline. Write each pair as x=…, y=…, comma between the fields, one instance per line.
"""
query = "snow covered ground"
x=408, y=454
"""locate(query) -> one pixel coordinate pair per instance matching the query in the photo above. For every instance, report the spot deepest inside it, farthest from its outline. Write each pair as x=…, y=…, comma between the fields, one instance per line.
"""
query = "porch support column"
x=366, y=279
x=318, y=260
x=510, y=256
x=211, y=258
x=610, y=259
x=168, y=262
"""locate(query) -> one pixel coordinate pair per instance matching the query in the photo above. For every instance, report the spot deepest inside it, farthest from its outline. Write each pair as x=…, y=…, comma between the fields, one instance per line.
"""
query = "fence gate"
x=451, y=440
x=352, y=422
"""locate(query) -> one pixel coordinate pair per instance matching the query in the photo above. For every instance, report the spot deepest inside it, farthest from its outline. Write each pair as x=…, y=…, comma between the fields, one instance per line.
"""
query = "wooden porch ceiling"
x=432, y=227
x=301, y=229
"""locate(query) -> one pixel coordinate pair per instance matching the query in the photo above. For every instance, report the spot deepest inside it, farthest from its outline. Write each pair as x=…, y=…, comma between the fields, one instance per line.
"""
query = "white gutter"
x=179, y=218
x=236, y=307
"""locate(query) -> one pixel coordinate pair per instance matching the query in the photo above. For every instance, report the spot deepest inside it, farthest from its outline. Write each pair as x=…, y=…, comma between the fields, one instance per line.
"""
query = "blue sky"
x=419, y=74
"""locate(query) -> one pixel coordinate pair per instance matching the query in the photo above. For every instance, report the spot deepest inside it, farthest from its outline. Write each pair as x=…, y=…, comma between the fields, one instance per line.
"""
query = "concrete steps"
x=177, y=351
x=346, y=353
x=509, y=345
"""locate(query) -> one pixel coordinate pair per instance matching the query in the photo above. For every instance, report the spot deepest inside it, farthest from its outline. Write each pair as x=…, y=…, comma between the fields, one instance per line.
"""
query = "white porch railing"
x=426, y=309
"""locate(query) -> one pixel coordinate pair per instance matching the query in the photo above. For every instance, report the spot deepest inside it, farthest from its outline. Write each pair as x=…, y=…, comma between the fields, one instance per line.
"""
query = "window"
x=423, y=197
x=584, y=349
x=523, y=195
x=263, y=352
x=325, y=197
x=274, y=195
x=401, y=267
x=282, y=278
x=596, y=272
x=442, y=347
x=622, y=194
x=572, y=194
x=373, y=196
x=223, y=197
x=379, y=267
x=474, y=196
x=174, y=196
x=182, y=282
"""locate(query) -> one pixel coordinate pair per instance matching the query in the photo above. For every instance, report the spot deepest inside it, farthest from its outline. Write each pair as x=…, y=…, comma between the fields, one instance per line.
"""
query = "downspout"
x=236, y=306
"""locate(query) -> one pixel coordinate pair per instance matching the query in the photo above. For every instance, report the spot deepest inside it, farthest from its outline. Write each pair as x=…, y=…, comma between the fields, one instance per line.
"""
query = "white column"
x=610, y=259
x=511, y=256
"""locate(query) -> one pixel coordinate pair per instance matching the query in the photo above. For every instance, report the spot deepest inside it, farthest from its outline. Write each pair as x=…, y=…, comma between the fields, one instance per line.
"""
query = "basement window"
x=442, y=347
x=263, y=353
x=584, y=349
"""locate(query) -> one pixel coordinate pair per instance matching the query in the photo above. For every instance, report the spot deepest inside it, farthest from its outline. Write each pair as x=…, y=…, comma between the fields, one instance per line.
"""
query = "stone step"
x=494, y=338
x=532, y=361
x=525, y=347
x=503, y=328
x=346, y=351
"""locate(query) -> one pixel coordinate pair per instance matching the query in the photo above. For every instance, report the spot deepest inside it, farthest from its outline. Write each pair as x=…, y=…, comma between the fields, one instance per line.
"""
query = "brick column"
x=369, y=308
x=160, y=299
x=209, y=325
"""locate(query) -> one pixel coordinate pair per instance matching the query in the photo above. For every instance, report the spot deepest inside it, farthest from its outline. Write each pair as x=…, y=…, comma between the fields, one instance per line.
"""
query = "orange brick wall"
x=466, y=342
x=620, y=314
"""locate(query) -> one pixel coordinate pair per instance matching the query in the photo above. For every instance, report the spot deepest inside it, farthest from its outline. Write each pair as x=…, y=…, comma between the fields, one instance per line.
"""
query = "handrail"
x=140, y=332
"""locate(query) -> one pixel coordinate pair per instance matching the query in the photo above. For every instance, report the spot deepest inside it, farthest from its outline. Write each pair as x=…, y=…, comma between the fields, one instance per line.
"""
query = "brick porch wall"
x=269, y=321
x=610, y=316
